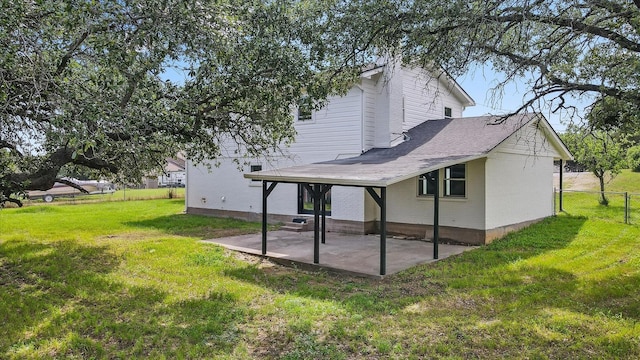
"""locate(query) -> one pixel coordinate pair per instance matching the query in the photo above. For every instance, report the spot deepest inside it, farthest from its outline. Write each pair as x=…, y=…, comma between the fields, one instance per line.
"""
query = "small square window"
x=255, y=168
x=447, y=113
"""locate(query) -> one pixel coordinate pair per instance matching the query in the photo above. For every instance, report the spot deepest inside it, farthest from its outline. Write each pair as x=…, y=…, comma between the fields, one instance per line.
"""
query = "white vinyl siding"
x=371, y=97
x=529, y=141
x=368, y=116
x=425, y=98
x=335, y=131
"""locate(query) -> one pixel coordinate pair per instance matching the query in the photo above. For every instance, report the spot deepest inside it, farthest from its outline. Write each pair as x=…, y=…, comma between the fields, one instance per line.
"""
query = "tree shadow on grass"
x=199, y=226
x=507, y=287
x=58, y=300
x=398, y=290
x=37, y=278
x=494, y=283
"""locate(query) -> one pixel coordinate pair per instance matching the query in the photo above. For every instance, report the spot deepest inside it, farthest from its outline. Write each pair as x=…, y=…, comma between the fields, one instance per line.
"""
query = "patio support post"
x=317, y=195
x=382, y=202
x=323, y=214
x=383, y=231
x=560, y=178
x=264, y=217
x=436, y=214
x=265, y=194
x=325, y=190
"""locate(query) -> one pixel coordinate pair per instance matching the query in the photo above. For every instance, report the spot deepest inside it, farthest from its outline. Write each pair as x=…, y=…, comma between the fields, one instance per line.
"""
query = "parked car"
x=64, y=190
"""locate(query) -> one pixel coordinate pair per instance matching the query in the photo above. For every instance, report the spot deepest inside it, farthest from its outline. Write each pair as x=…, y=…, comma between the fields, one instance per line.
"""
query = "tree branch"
x=518, y=59
x=67, y=56
x=573, y=24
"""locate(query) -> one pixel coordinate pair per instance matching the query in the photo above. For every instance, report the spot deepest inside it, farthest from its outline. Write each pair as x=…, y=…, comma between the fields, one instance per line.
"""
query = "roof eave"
x=315, y=180
x=559, y=144
x=268, y=175
x=457, y=90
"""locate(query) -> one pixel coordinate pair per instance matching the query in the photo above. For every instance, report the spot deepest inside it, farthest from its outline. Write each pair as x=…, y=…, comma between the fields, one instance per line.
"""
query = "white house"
x=174, y=173
x=385, y=139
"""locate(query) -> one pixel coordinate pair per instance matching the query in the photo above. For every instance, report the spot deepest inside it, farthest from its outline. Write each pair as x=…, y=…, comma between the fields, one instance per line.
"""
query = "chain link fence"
x=622, y=206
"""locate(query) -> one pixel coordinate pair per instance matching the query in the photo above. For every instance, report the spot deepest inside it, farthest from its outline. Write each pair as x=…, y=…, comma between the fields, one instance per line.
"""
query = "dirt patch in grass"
x=576, y=181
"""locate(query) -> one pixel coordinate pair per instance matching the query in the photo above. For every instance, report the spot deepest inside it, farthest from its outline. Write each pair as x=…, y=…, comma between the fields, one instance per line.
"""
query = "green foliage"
x=633, y=158
x=601, y=152
x=119, y=86
x=560, y=47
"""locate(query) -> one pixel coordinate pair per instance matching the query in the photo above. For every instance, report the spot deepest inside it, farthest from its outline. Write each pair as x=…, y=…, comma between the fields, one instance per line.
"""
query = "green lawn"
x=131, y=280
x=585, y=203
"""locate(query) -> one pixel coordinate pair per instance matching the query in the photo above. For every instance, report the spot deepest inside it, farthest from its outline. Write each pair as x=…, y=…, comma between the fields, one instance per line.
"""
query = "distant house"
x=397, y=142
x=174, y=175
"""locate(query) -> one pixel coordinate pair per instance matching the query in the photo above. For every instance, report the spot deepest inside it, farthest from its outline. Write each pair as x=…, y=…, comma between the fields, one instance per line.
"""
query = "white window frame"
x=447, y=180
x=450, y=116
x=423, y=184
x=311, y=112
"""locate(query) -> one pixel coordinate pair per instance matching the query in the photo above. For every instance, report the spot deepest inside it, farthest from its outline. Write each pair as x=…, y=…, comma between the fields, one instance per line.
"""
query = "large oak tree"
x=81, y=82
x=564, y=47
x=88, y=83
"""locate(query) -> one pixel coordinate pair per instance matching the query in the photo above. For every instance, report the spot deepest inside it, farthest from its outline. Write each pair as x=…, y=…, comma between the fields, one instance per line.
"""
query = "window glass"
x=455, y=180
x=427, y=184
x=255, y=168
x=447, y=112
x=305, y=109
x=305, y=201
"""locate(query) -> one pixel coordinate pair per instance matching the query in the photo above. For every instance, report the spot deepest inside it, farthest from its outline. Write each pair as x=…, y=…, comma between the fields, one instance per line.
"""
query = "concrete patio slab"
x=356, y=254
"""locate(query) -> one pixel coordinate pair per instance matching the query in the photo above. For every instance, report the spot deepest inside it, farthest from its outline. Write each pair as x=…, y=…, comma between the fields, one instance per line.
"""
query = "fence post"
x=626, y=207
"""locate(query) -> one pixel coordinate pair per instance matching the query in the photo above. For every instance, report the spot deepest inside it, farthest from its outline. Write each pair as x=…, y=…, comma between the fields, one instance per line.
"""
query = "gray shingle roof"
x=431, y=145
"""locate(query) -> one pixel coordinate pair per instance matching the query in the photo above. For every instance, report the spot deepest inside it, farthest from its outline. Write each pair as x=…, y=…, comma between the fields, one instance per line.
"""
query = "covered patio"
x=344, y=253
x=427, y=150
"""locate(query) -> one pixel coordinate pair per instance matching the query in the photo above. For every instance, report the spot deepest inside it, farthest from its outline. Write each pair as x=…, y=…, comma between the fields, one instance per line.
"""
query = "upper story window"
x=447, y=113
x=305, y=109
x=427, y=184
x=455, y=181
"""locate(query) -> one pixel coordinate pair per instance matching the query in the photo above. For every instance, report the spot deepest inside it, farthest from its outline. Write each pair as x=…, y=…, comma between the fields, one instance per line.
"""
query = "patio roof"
x=431, y=145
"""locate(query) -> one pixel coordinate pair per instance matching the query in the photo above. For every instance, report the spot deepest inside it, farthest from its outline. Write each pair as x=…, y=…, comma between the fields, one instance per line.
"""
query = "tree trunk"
x=603, y=198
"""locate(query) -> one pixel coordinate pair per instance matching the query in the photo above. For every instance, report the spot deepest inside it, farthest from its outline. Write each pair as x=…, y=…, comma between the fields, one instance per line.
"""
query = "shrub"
x=633, y=158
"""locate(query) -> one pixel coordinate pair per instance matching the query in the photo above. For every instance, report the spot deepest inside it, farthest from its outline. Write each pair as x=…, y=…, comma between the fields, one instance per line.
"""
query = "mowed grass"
x=586, y=203
x=132, y=280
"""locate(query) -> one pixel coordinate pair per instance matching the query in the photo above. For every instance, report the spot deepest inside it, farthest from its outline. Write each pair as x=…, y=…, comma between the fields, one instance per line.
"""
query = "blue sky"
x=479, y=82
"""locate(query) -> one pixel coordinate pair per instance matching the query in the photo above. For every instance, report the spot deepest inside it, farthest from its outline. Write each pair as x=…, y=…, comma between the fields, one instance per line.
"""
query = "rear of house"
x=492, y=194
x=510, y=187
